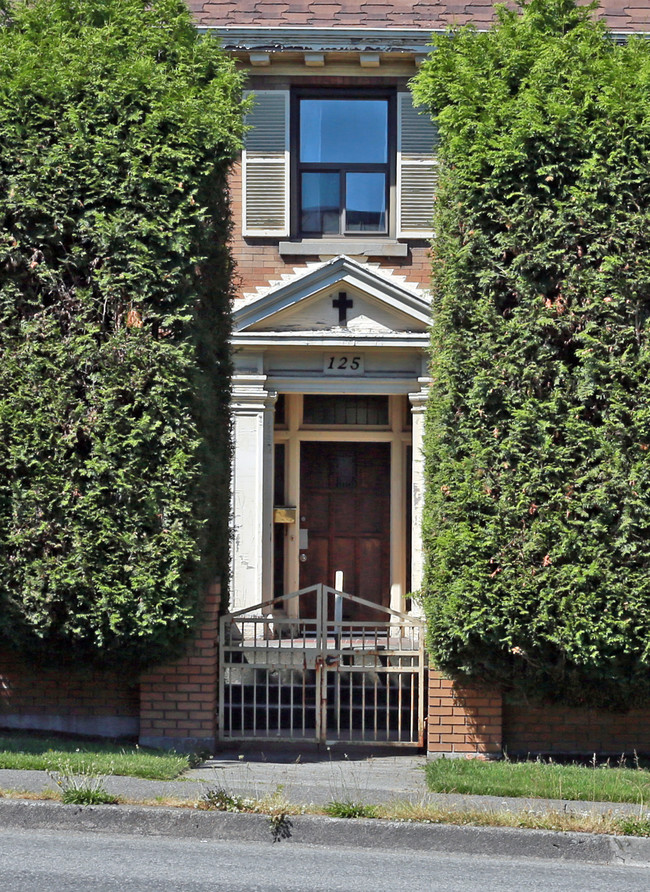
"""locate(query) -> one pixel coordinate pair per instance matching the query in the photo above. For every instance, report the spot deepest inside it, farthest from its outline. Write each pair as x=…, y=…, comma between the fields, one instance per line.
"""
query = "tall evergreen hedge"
x=117, y=127
x=538, y=445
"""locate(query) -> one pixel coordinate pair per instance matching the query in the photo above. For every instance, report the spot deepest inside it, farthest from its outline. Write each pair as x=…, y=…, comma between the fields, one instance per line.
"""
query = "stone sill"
x=319, y=247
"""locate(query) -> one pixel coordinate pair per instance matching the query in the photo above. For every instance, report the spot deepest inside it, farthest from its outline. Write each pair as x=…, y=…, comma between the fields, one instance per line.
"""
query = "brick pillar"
x=463, y=721
x=178, y=701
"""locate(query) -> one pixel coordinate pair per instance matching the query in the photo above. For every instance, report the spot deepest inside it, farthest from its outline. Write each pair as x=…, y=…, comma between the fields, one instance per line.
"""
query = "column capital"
x=418, y=400
x=249, y=393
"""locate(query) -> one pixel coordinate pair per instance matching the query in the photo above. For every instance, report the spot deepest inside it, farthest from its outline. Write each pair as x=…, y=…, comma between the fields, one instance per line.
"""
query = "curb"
x=323, y=831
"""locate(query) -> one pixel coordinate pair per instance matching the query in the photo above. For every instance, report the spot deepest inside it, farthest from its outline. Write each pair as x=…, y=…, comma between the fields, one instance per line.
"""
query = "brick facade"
x=477, y=723
x=172, y=706
x=71, y=700
x=463, y=721
x=554, y=729
x=178, y=701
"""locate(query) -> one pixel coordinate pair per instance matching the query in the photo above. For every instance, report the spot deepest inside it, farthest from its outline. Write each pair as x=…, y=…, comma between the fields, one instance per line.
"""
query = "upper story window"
x=339, y=165
x=343, y=174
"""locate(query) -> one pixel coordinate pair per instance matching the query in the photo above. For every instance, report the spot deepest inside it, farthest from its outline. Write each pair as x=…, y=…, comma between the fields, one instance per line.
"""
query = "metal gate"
x=327, y=678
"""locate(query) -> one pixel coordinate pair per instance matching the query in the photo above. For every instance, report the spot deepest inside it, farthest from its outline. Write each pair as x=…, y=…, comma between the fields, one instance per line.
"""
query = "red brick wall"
x=178, y=701
x=172, y=706
x=77, y=701
x=553, y=729
x=462, y=721
x=474, y=722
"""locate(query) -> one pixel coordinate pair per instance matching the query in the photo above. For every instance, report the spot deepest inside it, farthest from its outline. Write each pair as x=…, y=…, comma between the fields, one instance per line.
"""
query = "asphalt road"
x=40, y=861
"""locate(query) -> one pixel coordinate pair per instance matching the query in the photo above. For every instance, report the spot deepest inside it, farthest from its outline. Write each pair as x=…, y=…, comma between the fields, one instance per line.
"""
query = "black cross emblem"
x=343, y=303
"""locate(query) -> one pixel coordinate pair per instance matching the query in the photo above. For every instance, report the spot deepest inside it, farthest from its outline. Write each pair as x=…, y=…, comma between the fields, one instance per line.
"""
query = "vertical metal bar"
x=351, y=699
x=421, y=691
x=387, y=706
x=254, y=671
x=413, y=712
x=321, y=721
x=339, y=693
x=363, y=698
x=400, y=664
x=376, y=704
x=338, y=618
x=304, y=696
x=278, y=685
x=291, y=685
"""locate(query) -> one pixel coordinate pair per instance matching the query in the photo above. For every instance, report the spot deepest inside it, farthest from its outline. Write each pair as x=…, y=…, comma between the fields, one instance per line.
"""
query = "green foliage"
x=598, y=782
x=274, y=806
x=82, y=785
x=117, y=127
x=218, y=799
x=537, y=526
x=634, y=826
x=20, y=752
x=347, y=808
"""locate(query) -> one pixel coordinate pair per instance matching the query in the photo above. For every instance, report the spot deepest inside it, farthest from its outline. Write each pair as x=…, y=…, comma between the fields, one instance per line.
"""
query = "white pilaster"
x=418, y=406
x=252, y=490
x=397, y=506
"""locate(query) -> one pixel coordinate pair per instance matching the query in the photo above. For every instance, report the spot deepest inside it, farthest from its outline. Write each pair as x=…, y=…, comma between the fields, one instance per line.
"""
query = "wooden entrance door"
x=345, y=510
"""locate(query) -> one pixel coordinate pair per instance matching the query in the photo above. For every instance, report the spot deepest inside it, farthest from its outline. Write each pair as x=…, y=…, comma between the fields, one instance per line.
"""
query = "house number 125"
x=343, y=364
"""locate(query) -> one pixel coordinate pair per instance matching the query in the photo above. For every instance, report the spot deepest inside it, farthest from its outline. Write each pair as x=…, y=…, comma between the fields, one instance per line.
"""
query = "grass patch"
x=30, y=752
x=274, y=806
x=540, y=780
x=349, y=809
x=83, y=786
x=410, y=812
x=279, y=813
x=561, y=822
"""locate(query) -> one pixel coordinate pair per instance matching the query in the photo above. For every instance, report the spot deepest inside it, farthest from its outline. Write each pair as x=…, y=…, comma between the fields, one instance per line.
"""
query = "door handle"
x=303, y=558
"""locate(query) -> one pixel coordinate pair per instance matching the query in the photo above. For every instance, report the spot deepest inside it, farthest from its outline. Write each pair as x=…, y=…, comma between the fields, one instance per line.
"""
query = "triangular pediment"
x=377, y=303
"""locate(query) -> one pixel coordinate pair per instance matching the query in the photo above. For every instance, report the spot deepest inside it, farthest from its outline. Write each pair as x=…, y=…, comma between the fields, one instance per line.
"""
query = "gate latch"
x=327, y=661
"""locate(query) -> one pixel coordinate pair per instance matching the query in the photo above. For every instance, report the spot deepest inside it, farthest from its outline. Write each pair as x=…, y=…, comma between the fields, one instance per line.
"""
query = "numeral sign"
x=343, y=364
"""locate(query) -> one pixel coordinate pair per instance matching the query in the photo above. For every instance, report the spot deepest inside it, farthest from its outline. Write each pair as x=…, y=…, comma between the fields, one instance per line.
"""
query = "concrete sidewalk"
x=309, y=778
x=314, y=779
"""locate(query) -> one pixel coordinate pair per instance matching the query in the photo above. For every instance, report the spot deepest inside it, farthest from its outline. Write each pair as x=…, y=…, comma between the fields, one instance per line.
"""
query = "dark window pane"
x=345, y=469
x=365, y=202
x=279, y=529
x=279, y=417
x=320, y=202
x=278, y=488
x=371, y=410
x=344, y=131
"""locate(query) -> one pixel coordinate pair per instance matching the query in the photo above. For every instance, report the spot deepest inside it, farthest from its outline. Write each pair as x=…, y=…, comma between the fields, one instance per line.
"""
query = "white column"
x=252, y=491
x=397, y=506
x=293, y=402
x=418, y=406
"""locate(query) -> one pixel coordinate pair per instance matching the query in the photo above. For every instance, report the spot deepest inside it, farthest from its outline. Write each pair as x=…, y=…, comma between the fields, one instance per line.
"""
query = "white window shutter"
x=417, y=169
x=265, y=164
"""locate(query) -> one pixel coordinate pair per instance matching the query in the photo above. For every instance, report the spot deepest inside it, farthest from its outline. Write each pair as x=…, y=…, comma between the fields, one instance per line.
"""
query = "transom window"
x=354, y=410
x=343, y=165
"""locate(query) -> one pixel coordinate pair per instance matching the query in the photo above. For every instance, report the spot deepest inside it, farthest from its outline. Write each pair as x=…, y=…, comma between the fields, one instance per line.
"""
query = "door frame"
x=368, y=583
x=398, y=435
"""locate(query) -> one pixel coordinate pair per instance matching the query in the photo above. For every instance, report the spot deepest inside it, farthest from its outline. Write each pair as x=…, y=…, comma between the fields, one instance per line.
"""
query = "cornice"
x=299, y=39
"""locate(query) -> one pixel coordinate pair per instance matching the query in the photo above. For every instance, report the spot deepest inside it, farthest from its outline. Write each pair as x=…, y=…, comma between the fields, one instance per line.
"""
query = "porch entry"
x=304, y=667
x=345, y=523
